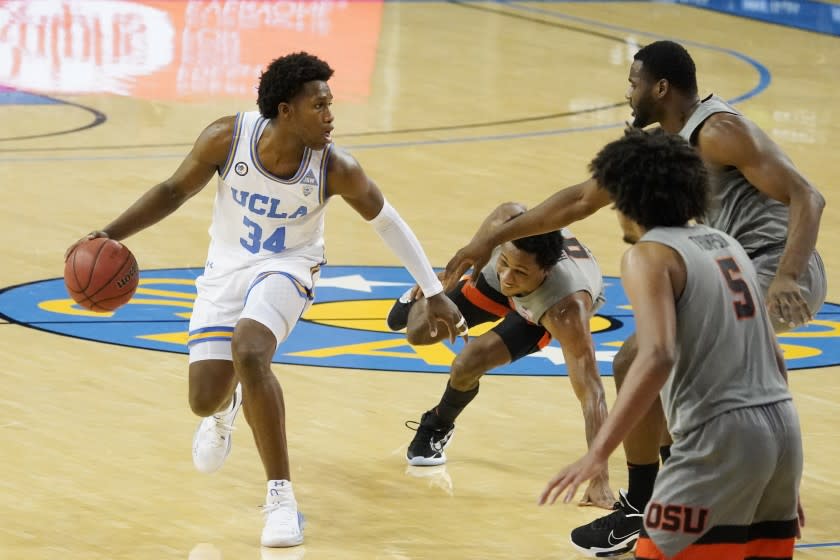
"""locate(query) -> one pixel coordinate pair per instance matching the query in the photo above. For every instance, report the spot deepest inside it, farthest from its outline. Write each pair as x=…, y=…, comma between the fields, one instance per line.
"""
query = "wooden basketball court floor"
x=452, y=108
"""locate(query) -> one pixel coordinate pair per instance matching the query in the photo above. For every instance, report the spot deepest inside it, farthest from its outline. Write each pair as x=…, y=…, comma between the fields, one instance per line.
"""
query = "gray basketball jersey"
x=738, y=208
x=725, y=344
x=576, y=271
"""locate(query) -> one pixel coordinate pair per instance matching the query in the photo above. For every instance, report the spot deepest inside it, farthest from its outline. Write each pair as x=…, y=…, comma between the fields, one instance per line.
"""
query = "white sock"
x=280, y=491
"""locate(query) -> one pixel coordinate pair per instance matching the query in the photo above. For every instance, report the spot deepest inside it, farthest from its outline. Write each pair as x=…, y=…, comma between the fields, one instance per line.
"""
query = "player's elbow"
x=808, y=196
x=583, y=208
x=510, y=209
x=172, y=195
x=818, y=199
x=659, y=359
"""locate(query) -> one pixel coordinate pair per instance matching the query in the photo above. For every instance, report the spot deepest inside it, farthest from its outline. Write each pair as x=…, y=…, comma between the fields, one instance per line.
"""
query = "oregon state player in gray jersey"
x=276, y=171
x=756, y=219
x=730, y=489
x=544, y=286
x=760, y=199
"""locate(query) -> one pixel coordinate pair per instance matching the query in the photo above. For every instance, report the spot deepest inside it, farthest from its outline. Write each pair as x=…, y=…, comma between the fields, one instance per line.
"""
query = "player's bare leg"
x=212, y=396
x=253, y=347
x=436, y=427
x=641, y=446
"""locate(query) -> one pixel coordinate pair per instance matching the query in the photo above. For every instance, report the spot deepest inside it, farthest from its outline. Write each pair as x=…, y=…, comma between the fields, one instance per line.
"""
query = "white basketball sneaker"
x=212, y=440
x=283, y=523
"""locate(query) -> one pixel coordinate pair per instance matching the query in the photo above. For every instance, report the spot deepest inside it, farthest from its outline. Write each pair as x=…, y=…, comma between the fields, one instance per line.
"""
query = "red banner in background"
x=184, y=49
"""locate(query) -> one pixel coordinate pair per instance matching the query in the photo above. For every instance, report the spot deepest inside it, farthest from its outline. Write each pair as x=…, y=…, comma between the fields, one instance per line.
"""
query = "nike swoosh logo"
x=613, y=540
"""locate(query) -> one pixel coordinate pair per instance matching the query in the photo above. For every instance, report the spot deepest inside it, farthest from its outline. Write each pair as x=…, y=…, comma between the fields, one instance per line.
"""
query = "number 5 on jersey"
x=275, y=243
x=744, y=302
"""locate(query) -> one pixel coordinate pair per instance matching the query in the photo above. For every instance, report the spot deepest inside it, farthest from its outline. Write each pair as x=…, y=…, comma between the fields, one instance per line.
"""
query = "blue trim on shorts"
x=192, y=343
x=206, y=329
x=225, y=334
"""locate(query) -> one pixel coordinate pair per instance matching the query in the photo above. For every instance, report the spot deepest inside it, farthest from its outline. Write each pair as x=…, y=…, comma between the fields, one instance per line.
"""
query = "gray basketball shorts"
x=729, y=489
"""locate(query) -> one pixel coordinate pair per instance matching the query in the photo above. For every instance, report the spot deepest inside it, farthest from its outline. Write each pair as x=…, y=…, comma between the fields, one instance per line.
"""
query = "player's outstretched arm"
x=731, y=140
x=207, y=155
x=347, y=179
x=568, y=322
x=559, y=210
x=646, y=276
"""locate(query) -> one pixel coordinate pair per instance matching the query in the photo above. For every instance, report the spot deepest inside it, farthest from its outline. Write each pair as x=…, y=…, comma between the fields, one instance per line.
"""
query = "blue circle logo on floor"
x=345, y=328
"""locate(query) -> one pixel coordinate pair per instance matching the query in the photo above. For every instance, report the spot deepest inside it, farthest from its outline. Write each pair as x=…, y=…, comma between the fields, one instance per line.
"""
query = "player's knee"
x=203, y=403
x=252, y=350
x=465, y=372
x=210, y=385
x=622, y=360
x=206, y=398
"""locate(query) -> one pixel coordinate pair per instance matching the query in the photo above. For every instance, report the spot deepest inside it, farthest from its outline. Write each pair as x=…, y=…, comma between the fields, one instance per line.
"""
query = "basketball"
x=101, y=274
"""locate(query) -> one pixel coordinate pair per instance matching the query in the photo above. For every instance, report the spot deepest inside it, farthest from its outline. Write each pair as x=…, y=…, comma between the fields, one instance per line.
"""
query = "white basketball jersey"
x=258, y=216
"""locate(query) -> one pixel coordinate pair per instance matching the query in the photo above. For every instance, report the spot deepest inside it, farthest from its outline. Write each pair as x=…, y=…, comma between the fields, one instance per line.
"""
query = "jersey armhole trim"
x=325, y=160
x=237, y=130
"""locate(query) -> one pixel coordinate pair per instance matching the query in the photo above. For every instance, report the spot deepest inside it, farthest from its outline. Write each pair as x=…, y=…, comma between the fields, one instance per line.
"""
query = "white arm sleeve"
x=401, y=240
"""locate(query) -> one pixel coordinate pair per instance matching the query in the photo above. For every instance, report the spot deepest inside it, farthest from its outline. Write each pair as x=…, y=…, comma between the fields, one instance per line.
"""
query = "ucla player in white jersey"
x=730, y=490
x=759, y=197
x=277, y=168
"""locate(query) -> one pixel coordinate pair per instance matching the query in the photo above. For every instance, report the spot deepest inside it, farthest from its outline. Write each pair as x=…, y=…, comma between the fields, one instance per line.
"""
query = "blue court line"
x=763, y=83
x=817, y=545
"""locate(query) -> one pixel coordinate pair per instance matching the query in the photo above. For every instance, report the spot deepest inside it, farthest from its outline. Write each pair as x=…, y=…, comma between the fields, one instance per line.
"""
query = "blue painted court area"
x=9, y=96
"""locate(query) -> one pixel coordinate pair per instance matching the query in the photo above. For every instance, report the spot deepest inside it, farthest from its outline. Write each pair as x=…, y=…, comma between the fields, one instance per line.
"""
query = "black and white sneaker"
x=611, y=535
x=426, y=449
x=398, y=316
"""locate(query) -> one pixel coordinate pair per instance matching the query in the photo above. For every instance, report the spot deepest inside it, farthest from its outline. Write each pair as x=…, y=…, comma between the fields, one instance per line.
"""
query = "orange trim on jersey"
x=770, y=548
x=647, y=550
x=480, y=300
x=546, y=338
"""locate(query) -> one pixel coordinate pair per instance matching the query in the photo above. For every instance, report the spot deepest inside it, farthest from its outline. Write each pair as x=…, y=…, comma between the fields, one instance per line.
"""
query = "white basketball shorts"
x=275, y=294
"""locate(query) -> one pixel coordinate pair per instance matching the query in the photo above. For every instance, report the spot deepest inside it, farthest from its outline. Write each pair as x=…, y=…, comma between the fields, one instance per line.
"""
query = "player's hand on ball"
x=88, y=237
x=442, y=310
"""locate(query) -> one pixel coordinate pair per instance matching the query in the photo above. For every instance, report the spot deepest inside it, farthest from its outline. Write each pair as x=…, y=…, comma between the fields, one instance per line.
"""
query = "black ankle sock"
x=665, y=453
x=641, y=482
x=451, y=405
